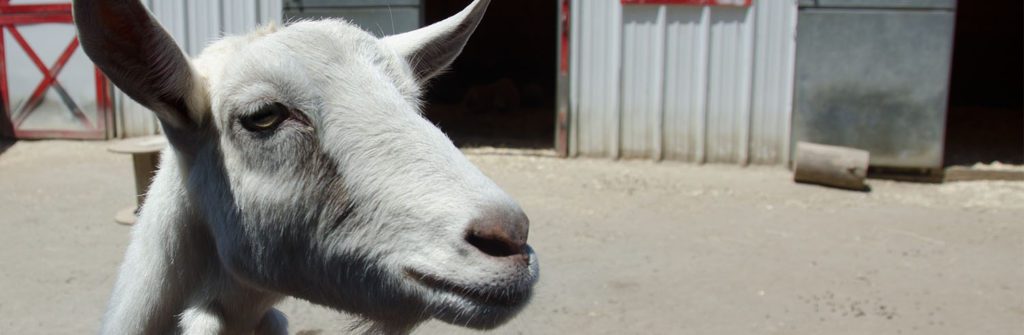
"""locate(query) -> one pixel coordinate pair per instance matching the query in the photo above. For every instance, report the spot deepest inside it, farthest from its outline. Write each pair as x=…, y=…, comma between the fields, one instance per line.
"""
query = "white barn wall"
x=686, y=90
x=595, y=77
x=194, y=24
x=699, y=84
x=643, y=36
x=775, y=55
x=729, y=78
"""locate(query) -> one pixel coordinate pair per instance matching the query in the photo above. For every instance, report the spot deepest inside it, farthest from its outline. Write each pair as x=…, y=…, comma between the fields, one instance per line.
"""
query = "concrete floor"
x=626, y=248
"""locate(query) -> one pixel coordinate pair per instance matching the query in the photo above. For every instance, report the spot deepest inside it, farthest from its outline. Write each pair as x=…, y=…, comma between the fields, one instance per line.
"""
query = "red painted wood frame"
x=739, y=3
x=562, y=101
x=565, y=15
x=12, y=16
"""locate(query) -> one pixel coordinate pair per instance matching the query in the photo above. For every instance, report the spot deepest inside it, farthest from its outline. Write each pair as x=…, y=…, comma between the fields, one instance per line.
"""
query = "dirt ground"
x=626, y=247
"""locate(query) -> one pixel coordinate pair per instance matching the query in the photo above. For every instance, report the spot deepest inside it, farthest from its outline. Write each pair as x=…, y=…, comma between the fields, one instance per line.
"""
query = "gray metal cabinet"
x=380, y=17
x=874, y=75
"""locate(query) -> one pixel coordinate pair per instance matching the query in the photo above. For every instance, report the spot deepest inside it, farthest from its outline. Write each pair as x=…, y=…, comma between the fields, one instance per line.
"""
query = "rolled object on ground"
x=830, y=165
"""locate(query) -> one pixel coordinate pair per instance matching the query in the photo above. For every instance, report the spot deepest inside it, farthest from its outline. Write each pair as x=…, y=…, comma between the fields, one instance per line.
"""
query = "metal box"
x=381, y=18
x=874, y=75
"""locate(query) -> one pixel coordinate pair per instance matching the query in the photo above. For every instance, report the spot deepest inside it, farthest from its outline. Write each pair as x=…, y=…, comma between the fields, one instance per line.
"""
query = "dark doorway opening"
x=501, y=90
x=986, y=118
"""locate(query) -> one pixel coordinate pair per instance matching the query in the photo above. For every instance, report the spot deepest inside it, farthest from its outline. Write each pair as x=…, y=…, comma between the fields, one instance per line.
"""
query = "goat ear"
x=141, y=58
x=431, y=49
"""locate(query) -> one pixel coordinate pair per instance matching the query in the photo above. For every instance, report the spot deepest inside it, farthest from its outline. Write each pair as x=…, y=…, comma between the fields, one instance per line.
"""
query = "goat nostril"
x=499, y=232
x=496, y=246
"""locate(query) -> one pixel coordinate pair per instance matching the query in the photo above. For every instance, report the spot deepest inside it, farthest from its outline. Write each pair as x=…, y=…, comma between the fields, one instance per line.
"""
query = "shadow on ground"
x=6, y=144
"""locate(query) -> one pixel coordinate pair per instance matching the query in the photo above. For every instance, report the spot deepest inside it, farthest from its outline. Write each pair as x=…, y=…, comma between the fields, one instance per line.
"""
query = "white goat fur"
x=336, y=211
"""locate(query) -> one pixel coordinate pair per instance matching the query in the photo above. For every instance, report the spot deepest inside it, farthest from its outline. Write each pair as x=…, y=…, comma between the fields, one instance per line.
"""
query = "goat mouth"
x=490, y=295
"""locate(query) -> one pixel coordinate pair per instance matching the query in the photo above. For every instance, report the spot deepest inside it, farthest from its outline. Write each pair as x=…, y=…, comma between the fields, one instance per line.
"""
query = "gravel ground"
x=626, y=247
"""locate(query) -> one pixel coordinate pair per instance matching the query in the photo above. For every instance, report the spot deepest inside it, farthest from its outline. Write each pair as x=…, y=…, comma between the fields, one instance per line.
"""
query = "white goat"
x=300, y=166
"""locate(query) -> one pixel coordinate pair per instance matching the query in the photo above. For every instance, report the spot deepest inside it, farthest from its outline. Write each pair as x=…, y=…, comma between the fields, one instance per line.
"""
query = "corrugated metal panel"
x=240, y=16
x=773, y=82
x=194, y=24
x=599, y=34
x=701, y=84
x=574, y=76
x=685, y=90
x=204, y=24
x=270, y=11
x=729, y=64
x=643, y=35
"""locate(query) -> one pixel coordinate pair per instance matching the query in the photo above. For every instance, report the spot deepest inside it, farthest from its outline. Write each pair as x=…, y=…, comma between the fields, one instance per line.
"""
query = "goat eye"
x=267, y=118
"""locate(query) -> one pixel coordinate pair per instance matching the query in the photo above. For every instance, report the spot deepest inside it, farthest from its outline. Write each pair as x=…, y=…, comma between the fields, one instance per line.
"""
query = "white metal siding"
x=642, y=55
x=686, y=75
x=700, y=84
x=598, y=30
x=728, y=83
x=775, y=53
x=194, y=24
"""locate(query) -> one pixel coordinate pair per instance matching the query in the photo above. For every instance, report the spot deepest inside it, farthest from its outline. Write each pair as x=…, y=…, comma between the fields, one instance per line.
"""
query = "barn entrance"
x=986, y=117
x=501, y=90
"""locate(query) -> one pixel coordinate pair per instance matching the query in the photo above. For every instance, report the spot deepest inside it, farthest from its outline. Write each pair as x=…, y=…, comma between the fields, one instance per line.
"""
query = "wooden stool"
x=145, y=153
